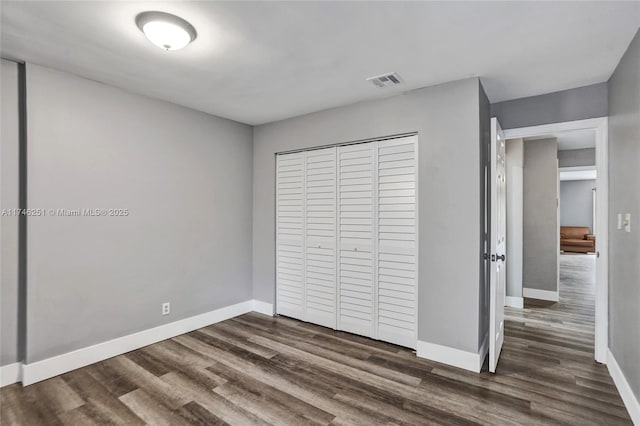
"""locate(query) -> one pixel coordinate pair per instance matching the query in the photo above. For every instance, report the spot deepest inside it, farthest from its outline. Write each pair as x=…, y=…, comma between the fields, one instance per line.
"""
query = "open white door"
x=498, y=212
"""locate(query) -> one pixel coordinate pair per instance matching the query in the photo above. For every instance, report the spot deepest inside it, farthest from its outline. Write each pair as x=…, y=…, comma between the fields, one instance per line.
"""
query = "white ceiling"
x=573, y=139
x=257, y=62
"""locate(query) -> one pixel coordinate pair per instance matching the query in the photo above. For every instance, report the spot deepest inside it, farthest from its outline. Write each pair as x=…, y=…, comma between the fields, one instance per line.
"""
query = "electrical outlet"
x=166, y=307
x=627, y=222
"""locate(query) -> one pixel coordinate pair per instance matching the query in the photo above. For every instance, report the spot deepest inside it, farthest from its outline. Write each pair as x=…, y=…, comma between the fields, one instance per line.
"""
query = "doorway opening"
x=557, y=229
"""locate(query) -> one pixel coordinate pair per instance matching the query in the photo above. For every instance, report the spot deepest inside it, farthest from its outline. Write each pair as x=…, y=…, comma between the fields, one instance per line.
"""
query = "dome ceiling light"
x=168, y=32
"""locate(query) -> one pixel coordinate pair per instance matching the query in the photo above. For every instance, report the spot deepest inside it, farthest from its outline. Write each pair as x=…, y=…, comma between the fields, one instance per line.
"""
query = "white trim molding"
x=514, y=302
x=601, y=127
x=10, y=374
x=263, y=307
x=50, y=367
x=541, y=130
x=534, y=293
x=628, y=397
x=455, y=357
x=578, y=168
x=601, y=340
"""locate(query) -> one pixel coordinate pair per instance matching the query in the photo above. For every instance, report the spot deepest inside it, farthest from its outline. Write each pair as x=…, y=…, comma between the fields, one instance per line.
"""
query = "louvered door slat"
x=290, y=286
x=320, y=219
x=397, y=241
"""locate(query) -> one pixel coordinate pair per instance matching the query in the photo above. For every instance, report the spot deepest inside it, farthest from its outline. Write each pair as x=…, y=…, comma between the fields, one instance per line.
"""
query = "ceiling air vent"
x=384, y=80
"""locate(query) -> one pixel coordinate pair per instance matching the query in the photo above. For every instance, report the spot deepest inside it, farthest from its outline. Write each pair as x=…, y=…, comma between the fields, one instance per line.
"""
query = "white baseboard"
x=514, y=302
x=50, y=367
x=458, y=358
x=628, y=397
x=10, y=374
x=263, y=307
x=541, y=294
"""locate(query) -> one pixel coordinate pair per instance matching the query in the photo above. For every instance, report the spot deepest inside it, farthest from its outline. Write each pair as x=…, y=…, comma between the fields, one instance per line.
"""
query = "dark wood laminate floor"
x=260, y=370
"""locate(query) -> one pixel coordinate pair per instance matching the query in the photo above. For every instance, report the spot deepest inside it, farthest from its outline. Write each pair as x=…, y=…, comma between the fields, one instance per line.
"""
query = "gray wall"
x=576, y=203
x=624, y=197
x=577, y=157
x=186, y=178
x=447, y=120
x=485, y=216
x=568, y=105
x=540, y=216
x=515, y=172
x=9, y=226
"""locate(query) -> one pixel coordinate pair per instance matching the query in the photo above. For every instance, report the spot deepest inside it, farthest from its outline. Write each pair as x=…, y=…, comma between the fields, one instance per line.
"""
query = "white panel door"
x=397, y=241
x=356, y=275
x=290, y=261
x=497, y=182
x=320, y=230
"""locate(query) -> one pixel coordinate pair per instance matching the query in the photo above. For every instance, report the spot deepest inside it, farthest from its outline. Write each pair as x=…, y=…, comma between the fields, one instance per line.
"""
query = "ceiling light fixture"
x=168, y=32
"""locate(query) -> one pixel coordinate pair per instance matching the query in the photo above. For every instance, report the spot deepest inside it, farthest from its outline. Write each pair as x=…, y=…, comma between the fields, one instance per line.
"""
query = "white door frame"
x=558, y=219
x=601, y=126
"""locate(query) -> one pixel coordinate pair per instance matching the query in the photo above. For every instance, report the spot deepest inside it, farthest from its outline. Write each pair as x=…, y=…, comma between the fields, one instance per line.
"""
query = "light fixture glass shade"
x=166, y=31
x=166, y=35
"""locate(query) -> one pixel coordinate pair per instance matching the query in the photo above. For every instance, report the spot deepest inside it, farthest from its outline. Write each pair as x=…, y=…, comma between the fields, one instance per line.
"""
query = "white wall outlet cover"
x=166, y=307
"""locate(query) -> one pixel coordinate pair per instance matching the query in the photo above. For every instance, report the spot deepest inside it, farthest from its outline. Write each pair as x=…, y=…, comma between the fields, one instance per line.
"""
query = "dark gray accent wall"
x=446, y=118
x=515, y=222
x=540, y=215
x=624, y=197
x=185, y=178
x=9, y=181
x=577, y=157
x=485, y=213
x=568, y=105
x=576, y=203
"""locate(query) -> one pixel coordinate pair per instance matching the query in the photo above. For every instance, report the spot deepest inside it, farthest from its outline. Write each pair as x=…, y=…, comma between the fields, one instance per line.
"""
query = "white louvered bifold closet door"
x=347, y=238
x=290, y=268
x=356, y=299
x=397, y=241
x=321, y=218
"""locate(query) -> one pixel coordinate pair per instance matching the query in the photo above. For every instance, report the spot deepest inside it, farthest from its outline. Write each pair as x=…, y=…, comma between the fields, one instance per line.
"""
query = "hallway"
x=549, y=349
x=575, y=313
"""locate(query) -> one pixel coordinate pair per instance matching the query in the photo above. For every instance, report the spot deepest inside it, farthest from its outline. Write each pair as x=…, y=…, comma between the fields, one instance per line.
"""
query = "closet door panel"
x=290, y=262
x=356, y=312
x=397, y=241
x=320, y=233
x=347, y=238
